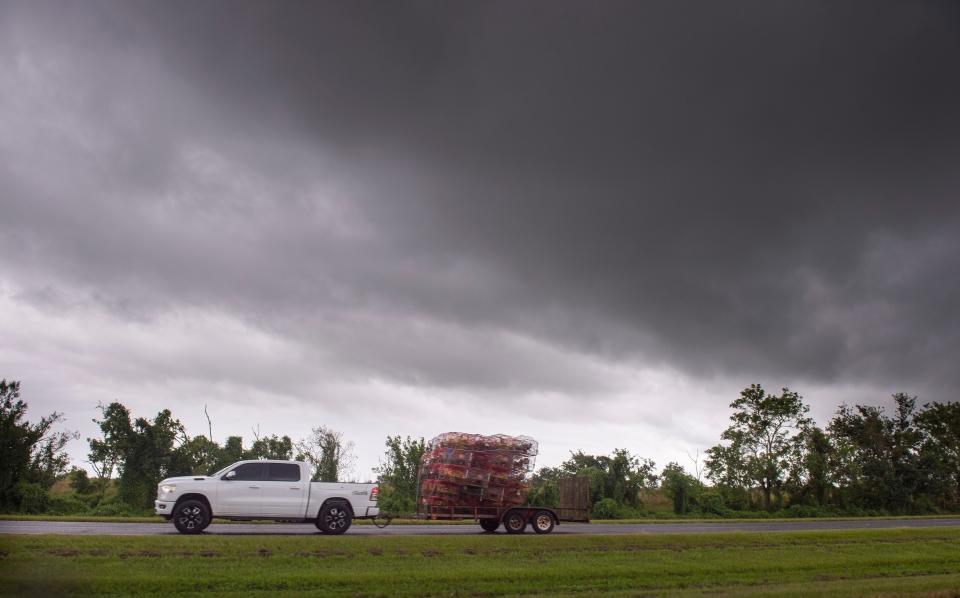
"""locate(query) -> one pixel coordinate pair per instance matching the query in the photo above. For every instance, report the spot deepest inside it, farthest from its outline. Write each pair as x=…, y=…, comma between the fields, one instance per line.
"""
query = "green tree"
x=682, y=488
x=33, y=454
x=939, y=426
x=197, y=456
x=144, y=451
x=107, y=453
x=329, y=454
x=619, y=477
x=816, y=463
x=80, y=481
x=232, y=451
x=150, y=452
x=879, y=461
x=727, y=469
x=201, y=456
x=399, y=473
x=545, y=487
x=271, y=447
x=765, y=439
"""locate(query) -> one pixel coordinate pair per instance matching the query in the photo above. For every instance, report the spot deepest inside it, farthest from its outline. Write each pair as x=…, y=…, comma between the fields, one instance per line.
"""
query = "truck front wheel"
x=191, y=517
x=334, y=518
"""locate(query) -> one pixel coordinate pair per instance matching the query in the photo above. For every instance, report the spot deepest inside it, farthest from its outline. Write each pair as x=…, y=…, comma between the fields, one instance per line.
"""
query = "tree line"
x=772, y=458
x=130, y=457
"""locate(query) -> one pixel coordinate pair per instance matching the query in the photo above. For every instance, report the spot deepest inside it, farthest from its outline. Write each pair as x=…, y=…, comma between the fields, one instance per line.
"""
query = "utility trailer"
x=574, y=507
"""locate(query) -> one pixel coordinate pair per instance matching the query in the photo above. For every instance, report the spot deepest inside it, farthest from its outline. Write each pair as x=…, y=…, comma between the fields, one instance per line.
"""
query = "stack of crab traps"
x=469, y=470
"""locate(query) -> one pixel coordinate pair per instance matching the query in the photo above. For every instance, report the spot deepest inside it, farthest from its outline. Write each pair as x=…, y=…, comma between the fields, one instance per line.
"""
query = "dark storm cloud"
x=737, y=189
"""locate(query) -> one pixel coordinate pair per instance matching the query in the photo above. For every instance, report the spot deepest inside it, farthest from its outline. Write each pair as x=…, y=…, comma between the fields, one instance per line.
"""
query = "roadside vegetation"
x=772, y=461
x=876, y=563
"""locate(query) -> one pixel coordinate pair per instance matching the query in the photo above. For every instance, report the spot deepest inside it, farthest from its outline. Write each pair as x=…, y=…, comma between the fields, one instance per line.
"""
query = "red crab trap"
x=469, y=474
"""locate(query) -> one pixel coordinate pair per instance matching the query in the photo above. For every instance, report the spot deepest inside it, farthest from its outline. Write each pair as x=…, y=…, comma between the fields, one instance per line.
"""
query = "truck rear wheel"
x=489, y=525
x=515, y=522
x=543, y=522
x=334, y=518
x=191, y=517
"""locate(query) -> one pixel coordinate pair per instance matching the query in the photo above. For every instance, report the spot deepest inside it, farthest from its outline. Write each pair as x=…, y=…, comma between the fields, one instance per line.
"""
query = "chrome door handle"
x=255, y=487
x=294, y=487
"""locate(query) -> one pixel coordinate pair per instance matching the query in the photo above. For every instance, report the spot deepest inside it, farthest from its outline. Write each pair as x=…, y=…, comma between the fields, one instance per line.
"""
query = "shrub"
x=606, y=508
x=67, y=505
x=749, y=514
x=80, y=481
x=395, y=504
x=31, y=498
x=118, y=509
x=681, y=487
x=805, y=511
x=712, y=503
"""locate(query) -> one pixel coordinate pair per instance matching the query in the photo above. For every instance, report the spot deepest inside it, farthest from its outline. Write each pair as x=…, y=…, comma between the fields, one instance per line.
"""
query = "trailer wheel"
x=543, y=522
x=514, y=522
x=334, y=518
x=489, y=525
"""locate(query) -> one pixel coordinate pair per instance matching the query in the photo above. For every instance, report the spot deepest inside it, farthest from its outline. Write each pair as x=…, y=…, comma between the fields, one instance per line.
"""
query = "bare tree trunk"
x=209, y=424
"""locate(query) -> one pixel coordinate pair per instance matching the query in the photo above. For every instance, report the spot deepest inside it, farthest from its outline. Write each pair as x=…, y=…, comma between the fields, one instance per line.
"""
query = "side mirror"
x=230, y=475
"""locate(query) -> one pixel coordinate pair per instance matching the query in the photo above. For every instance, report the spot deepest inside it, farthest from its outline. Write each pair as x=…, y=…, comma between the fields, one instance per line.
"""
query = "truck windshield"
x=218, y=472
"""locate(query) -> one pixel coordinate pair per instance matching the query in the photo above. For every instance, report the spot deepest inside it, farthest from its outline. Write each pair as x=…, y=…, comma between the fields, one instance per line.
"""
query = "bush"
x=31, y=498
x=804, y=511
x=67, y=505
x=606, y=508
x=118, y=509
x=393, y=503
x=924, y=505
x=80, y=481
x=749, y=514
x=736, y=499
x=682, y=488
x=712, y=503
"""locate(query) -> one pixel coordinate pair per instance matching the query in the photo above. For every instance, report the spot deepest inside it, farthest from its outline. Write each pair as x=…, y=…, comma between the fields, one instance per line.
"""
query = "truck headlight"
x=168, y=488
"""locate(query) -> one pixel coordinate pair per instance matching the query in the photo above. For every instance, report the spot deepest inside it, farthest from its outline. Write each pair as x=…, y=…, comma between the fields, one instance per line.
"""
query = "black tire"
x=543, y=522
x=191, y=516
x=515, y=523
x=334, y=518
x=489, y=525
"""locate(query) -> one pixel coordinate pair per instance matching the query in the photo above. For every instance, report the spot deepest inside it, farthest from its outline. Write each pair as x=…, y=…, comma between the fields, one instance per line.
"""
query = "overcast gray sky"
x=588, y=222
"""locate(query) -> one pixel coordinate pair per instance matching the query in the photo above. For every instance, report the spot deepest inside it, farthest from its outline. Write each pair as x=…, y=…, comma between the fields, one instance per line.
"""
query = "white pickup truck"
x=279, y=490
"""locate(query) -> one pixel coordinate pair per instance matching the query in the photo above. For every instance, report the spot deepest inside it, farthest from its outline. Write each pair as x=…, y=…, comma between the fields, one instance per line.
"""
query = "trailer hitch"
x=387, y=518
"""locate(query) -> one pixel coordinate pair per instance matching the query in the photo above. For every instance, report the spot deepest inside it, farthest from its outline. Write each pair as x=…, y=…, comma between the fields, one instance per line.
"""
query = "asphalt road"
x=608, y=529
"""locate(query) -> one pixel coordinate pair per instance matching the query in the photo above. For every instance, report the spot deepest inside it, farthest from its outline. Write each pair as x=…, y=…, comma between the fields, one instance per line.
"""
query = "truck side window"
x=283, y=472
x=249, y=472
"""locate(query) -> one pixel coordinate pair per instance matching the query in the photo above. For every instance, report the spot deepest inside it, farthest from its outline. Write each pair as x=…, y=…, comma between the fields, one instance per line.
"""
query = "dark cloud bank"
x=753, y=190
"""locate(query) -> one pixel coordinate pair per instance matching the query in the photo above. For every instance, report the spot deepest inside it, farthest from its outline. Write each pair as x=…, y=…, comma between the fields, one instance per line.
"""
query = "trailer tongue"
x=486, y=478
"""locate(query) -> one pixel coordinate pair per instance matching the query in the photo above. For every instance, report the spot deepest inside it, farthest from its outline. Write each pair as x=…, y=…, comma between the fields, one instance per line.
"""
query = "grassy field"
x=862, y=563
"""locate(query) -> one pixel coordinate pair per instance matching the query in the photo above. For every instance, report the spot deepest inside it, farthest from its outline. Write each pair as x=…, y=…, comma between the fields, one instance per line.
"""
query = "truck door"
x=239, y=490
x=283, y=492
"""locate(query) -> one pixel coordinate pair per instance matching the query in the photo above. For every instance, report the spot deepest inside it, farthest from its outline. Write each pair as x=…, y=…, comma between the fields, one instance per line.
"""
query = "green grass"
x=923, y=562
x=774, y=519
x=88, y=518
